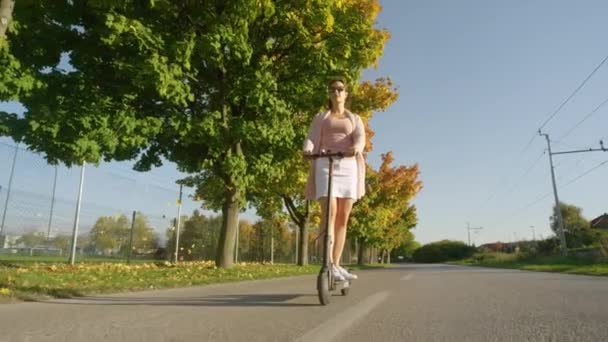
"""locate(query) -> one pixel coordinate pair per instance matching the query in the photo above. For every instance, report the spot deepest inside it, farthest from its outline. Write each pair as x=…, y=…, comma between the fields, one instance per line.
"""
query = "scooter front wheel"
x=323, y=280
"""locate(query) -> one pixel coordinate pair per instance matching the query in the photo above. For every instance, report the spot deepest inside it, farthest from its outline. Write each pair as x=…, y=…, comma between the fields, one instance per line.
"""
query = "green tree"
x=272, y=240
x=32, y=239
x=17, y=80
x=198, y=239
x=245, y=245
x=272, y=194
x=407, y=248
x=383, y=218
x=444, y=250
x=576, y=227
x=64, y=242
x=110, y=234
x=144, y=237
x=213, y=91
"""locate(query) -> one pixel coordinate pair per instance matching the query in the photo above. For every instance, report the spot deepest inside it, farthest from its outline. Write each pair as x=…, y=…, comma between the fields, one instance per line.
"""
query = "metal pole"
x=297, y=231
x=469, y=228
x=77, y=216
x=131, y=238
x=533, y=233
x=179, y=218
x=560, y=220
x=8, y=192
x=236, y=244
x=48, y=233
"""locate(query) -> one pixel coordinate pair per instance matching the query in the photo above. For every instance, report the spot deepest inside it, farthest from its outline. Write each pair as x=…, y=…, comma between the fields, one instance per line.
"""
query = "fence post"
x=48, y=233
x=8, y=193
x=179, y=217
x=131, y=238
x=77, y=217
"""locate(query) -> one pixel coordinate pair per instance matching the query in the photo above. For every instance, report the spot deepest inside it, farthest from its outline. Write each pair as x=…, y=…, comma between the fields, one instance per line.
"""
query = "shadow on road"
x=269, y=300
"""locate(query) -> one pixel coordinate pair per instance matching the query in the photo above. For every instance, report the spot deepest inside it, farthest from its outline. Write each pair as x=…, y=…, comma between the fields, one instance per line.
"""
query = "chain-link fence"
x=38, y=211
x=38, y=207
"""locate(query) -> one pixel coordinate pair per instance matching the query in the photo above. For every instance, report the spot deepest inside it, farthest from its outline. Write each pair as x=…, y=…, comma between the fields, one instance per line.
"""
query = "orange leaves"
x=385, y=215
x=373, y=97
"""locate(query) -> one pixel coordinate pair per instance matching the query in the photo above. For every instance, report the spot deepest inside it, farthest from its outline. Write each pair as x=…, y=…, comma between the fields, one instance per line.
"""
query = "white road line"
x=337, y=324
x=407, y=276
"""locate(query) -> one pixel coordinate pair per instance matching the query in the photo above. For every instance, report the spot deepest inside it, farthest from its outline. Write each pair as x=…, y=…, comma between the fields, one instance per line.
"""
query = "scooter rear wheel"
x=323, y=280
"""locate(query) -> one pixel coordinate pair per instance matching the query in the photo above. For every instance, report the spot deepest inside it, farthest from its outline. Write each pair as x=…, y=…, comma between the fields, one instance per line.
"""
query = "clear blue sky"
x=476, y=80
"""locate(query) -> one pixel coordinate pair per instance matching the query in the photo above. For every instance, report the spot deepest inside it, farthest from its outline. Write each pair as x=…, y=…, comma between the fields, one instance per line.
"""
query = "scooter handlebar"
x=311, y=156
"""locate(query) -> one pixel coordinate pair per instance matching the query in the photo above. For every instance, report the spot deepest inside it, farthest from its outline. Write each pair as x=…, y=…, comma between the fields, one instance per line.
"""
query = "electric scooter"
x=325, y=280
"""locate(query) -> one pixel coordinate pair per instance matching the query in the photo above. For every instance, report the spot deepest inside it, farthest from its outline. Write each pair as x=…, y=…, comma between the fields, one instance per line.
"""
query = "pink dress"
x=337, y=136
x=312, y=144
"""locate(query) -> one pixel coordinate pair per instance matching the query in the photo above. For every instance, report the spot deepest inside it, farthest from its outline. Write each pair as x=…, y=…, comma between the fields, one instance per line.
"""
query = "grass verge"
x=27, y=281
x=561, y=264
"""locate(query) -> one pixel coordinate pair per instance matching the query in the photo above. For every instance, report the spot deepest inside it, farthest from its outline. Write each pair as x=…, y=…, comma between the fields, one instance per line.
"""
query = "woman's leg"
x=344, y=206
x=332, y=220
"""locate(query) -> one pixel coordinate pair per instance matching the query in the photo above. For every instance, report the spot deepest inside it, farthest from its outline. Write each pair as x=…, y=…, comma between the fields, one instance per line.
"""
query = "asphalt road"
x=407, y=303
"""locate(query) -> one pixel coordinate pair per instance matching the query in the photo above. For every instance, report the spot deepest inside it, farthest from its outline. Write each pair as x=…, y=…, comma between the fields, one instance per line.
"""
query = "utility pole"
x=179, y=218
x=48, y=233
x=533, y=234
x=8, y=193
x=77, y=216
x=560, y=220
x=469, y=228
x=131, y=238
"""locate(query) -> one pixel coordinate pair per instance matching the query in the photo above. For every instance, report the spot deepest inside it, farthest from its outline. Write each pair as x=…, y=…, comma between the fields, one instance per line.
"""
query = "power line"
x=561, y=106
x=523, y=176
x=574, y=93
x=494, y=193
x=586, y=172
x=584, y=119
x=539, y=199
x=564, y=103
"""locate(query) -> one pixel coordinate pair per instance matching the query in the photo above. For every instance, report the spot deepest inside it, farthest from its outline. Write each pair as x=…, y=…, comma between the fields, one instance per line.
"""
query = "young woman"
x=337, y=130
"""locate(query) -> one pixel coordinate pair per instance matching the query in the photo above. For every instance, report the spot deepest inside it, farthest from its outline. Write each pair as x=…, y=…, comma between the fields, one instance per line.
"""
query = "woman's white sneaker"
x=346, y=274
x=338, y=276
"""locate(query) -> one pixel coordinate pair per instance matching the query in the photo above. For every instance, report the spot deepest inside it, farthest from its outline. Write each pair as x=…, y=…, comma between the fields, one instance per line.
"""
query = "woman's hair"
x=332, y=81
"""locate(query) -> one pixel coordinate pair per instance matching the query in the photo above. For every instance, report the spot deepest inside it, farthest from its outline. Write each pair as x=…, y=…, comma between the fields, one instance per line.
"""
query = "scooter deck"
x=342, y=284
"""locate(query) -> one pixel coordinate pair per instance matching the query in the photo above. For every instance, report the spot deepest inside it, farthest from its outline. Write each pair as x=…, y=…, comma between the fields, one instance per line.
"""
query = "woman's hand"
x=353, y=151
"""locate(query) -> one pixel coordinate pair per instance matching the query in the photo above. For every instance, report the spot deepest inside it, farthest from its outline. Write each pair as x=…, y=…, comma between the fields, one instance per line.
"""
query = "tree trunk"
x=388, y=257
x=303, y=248
x=260, y=245
x=272, y=245
x=6, y=15
x=361, y=252
x=230, y=222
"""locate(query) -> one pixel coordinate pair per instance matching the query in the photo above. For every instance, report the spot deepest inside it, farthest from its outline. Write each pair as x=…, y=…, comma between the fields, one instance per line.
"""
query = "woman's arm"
x=313, y=134
x=358, y=135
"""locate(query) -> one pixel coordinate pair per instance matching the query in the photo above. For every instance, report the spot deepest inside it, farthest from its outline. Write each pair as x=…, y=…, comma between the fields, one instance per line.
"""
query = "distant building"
x=8, y=241
x=600, y=222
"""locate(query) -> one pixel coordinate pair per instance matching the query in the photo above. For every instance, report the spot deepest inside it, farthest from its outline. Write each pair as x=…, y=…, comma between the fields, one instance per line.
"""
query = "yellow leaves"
x=115, y=277
x=373, y=97
x=385, y=214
